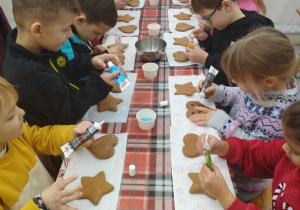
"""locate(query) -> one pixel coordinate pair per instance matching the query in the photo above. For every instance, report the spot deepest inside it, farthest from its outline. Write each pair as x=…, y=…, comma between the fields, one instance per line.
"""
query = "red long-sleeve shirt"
x=258, y=159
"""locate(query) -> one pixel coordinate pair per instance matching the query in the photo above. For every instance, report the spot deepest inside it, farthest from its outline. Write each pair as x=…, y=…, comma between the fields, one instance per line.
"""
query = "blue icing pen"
x=121, y=80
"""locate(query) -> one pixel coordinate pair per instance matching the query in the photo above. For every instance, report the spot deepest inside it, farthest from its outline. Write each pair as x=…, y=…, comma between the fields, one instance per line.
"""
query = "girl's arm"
x=224, y=96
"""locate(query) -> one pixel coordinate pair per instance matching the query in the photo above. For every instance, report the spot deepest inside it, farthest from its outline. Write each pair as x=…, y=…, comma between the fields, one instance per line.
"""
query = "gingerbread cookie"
x=180, y=56
x=183, y=41
x=183, y=16
x=124, y=45
x=116, y=89
x=128, y=29
x=184, y=1
x=93, y=188
x=109, y=104
x=189, y=149
x=183, y=27
x=196, y=186
x=121, y=58
x=185, y=89
x=125, y=18
x=103, y=147
x=191, y=105
x=133, y=3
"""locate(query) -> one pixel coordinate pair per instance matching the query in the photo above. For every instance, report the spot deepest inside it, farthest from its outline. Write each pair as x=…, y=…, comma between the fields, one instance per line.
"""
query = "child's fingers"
x=201, y=109
x=67, y=181
x=71, y=197
x=71, y=191
x=216, y=169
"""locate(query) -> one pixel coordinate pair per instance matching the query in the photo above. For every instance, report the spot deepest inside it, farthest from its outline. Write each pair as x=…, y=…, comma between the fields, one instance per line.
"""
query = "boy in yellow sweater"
x=22, y=176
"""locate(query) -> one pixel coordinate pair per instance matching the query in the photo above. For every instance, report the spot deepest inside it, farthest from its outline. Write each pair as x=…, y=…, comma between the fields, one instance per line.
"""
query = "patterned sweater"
x=248, y=118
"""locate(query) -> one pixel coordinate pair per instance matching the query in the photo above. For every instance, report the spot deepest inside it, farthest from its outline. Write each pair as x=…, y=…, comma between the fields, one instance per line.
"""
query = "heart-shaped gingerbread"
x=103, y=147
x=183, y=27
x=189, y=149
x=128, y=29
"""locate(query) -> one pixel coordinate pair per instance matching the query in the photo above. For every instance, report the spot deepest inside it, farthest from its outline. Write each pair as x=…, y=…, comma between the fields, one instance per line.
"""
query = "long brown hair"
x=265, y=52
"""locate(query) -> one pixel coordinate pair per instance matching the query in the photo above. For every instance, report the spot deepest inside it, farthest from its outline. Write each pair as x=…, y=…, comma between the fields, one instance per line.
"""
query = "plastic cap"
x=163, y=103
x=201, y=94
x=132, y=171
x=98, y=125
x=110, y=64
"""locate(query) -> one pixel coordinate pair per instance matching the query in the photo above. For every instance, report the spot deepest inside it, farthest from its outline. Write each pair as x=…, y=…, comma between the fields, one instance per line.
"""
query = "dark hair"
x=99, y=11
x=291, y=120
x=42, y=10
x=197, y=5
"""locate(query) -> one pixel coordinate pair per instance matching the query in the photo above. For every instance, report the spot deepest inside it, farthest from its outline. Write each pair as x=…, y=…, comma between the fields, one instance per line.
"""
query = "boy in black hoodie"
x=49, y=86
x=96, y=18
x=230, y=24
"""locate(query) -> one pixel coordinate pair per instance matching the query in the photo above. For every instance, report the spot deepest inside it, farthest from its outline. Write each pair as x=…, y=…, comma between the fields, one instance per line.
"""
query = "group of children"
x=58, y=75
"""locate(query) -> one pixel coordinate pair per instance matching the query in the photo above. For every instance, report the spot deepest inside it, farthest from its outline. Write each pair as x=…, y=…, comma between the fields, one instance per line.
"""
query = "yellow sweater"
x=22, y=176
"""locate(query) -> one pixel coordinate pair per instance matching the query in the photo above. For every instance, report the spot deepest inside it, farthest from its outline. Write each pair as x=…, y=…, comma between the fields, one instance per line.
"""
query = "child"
x=262, y=65
x=278, y=159
x=23, y=176
x=229, y=24
x=96, y=18
x=48, y=84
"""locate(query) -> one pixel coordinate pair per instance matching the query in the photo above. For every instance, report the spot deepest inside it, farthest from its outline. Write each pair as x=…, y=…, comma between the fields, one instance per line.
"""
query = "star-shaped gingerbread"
x=196, y=187
x=93, y=188
x=189, y=149
x=125, y=18
x=110, y=103
x=133, y=3
x=183, y=27
x=183, y=16
x=185, y=89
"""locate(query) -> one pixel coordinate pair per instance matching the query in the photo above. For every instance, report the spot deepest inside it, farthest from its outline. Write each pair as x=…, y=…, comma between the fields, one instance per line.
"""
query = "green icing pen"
x=208, y=158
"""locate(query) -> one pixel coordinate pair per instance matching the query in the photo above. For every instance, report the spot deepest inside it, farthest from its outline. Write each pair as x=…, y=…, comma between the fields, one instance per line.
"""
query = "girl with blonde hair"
x=262, y=65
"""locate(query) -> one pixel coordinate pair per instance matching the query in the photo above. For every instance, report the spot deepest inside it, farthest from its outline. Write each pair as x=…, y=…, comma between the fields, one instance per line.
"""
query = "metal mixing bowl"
x=150, y=48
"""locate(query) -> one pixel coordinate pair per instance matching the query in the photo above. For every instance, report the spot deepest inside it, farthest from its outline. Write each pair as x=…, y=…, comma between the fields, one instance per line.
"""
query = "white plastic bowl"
x=146, y=119
x=153, y=29
x=150, y=70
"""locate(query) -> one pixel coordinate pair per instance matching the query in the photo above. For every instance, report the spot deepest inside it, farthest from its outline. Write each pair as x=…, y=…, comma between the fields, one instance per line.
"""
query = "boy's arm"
x=255, y=158
x=48, y=140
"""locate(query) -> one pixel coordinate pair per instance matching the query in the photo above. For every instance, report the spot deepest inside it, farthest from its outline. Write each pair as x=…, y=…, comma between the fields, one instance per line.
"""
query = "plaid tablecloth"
x=150, y=150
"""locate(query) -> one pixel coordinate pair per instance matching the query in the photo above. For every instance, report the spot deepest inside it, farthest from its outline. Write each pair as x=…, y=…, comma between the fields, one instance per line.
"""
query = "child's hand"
x=208, y=91
x=203, y=117
x=81, y=129
x=99, y=62
x=99, y=49
x=200, y=34
x=196, y=55
x=120, y=3
x=116, y=50
x=216, y=146
x=204, y=25
x=214, y=184
x=56, y=196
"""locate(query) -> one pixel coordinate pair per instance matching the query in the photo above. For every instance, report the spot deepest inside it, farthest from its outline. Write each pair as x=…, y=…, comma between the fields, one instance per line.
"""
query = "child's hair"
x=265, y=52
x=41, y=10
x=6, y=91
x=99, y=11
x=291, y=121
x=198, y=5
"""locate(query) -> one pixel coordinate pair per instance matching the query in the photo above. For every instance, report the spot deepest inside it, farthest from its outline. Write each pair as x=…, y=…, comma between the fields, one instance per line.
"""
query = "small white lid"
x=98, y=125
x=110, y=64
x=201, y=94
x=164, y=103
x=132, y=171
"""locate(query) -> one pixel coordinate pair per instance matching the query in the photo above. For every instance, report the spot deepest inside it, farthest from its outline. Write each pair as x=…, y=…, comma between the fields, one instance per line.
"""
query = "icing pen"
x=212, y=73
x=191, y=41
x=121, y=80
x=208, y=157
x=72, y=145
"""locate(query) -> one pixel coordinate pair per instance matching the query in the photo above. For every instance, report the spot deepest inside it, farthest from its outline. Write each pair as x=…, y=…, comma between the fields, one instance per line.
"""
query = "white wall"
x=7, y=8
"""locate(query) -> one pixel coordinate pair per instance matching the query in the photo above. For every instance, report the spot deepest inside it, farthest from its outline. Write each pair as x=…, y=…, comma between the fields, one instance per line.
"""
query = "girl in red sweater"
x=279, y=159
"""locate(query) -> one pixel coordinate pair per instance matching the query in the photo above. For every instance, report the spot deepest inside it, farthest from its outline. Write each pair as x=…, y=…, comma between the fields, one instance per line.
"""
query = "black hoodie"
x=49, y=85
x=216, y=44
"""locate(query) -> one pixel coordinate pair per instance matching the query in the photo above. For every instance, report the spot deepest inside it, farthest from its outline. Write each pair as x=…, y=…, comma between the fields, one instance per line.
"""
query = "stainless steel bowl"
x=151, y=48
